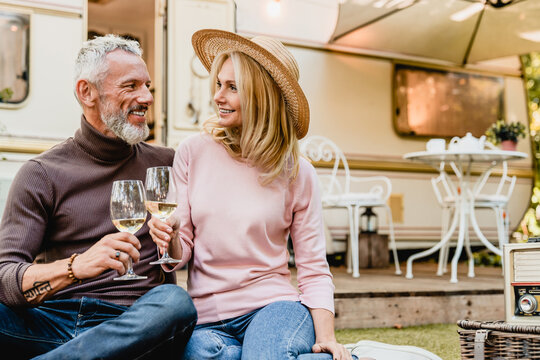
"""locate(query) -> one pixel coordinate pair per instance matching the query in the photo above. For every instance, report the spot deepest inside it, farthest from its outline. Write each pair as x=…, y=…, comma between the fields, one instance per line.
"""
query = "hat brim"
x=209, y=43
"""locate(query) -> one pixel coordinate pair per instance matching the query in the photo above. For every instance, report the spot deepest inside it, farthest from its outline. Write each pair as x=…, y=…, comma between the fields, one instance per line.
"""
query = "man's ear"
x=86, y=92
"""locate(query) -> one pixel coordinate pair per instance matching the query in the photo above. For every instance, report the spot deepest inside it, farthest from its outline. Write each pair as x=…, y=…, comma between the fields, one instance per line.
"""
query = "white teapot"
x=467, y=143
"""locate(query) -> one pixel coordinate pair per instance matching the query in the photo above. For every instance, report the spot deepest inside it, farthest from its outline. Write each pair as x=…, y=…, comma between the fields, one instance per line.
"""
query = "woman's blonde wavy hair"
x=267, y=139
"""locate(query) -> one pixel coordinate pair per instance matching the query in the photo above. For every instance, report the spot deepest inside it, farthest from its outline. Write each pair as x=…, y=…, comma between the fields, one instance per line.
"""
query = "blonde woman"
x=243, y=189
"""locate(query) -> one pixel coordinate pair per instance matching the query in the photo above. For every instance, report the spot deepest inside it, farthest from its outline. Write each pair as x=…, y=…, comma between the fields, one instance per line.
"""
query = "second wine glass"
x=128, y=214
x=161, y=200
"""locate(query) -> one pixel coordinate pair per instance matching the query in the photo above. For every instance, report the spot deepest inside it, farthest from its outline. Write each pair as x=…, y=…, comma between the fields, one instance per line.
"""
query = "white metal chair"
x=337, y=193
x=447, y=197
x=496, y=201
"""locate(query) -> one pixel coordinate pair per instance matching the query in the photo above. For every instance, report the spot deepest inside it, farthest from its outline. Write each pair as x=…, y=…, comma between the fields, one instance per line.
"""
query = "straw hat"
x=271, y=54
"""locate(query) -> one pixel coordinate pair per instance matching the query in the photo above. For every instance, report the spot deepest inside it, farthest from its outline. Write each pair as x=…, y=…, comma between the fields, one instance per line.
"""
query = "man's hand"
x=102, y=255
x=41, y=281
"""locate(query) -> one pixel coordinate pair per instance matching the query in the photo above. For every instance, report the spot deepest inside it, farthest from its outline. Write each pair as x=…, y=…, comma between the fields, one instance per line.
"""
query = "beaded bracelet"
x=70, y=270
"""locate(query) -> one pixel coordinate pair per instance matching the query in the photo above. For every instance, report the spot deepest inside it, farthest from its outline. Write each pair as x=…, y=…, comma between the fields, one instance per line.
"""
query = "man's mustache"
x=138, y=108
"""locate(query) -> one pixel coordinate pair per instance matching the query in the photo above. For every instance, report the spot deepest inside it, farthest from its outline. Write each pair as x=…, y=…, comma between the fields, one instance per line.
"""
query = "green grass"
x=440, y=339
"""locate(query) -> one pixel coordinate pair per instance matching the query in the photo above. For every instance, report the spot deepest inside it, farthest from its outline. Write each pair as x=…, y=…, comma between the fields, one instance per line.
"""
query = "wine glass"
x=161, y=200
x=128, y=214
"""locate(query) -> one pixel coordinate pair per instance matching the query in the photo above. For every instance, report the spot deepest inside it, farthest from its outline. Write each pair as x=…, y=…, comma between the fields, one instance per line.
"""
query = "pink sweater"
x=235, y=232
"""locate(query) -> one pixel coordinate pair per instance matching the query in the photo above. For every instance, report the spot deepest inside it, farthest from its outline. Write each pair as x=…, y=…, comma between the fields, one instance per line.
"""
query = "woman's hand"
x=161, y=232
x=337, y=350
x=325, y=340
x=164, y=234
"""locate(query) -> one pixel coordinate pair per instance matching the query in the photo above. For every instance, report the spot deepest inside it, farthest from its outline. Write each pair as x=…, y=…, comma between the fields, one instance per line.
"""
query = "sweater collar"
x=100, y=146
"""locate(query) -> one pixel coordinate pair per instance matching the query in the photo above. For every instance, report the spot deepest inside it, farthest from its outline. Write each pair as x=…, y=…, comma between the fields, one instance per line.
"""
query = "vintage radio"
x=522, y=282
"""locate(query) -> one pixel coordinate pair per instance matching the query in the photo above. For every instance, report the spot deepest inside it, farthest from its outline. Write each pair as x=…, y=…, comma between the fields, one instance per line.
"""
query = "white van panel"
x=54, y=42
x=9, y=165
x=73, y=6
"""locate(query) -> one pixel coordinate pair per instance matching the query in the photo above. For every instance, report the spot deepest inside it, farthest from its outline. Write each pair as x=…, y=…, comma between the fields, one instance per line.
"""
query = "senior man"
x=59, y=250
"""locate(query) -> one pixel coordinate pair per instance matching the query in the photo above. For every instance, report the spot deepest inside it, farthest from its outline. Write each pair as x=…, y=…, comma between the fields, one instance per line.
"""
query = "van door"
x=141, y=20
x=188, y=102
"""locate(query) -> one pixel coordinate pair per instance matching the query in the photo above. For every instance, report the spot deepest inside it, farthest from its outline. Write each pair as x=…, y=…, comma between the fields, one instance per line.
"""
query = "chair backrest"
x=320, y=148
x=442, y=182
x=508, y=181
x=505, y=186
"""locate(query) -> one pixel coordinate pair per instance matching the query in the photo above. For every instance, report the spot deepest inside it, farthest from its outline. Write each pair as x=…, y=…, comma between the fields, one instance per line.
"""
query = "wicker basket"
x=498, y=340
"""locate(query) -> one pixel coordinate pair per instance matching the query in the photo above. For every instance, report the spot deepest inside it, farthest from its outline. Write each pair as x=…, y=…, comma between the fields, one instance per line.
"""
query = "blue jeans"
x=281, y=330
x=159, y=323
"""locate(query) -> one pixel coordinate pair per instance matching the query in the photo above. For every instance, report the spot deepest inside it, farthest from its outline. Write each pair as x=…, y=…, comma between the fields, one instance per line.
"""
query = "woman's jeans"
x=157, y=325
x=281, y=330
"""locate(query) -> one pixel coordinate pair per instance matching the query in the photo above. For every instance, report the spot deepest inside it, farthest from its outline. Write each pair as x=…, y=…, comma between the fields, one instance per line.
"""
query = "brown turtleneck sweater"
x=58, y=205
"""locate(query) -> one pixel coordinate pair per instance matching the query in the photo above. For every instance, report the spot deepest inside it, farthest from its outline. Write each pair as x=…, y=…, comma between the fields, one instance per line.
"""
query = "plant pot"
x=509, y=145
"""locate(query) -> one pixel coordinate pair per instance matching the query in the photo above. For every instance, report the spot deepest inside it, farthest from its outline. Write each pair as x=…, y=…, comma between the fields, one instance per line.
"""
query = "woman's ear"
x=86, y=92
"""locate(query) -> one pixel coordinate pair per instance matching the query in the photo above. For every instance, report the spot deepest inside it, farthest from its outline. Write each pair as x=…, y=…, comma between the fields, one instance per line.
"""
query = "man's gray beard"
x=121, y=127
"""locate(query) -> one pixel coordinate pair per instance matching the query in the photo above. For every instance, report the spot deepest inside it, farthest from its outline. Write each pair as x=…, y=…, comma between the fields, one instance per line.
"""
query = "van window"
x=438, y=103
x=14, y=38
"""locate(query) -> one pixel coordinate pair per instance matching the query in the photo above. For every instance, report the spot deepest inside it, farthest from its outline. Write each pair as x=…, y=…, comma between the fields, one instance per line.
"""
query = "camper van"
x=39, y=42
x=353, y=94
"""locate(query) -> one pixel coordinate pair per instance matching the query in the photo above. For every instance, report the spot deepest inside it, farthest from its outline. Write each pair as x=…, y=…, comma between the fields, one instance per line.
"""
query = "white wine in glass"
x=161, y=210
x=161, y=200
x=128, y=214
x=129, y=225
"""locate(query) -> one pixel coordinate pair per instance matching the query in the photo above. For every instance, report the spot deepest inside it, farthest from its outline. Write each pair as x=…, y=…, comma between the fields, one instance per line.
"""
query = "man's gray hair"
x=91, y=64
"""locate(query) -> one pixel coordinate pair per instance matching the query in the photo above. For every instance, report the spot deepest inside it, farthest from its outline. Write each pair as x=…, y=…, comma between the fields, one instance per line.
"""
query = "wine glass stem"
x=165, y=252
x=130, y=267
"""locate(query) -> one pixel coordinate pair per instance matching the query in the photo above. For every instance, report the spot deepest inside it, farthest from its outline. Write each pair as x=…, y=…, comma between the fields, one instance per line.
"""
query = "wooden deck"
x=379, y=298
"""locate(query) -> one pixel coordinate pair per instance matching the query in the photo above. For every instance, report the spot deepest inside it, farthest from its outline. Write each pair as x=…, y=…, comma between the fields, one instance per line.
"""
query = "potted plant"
x=6, y=94
x=506, y=134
